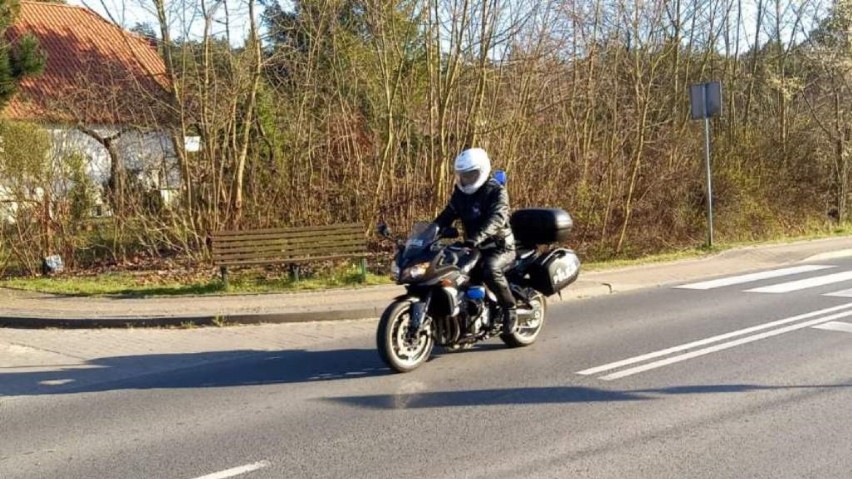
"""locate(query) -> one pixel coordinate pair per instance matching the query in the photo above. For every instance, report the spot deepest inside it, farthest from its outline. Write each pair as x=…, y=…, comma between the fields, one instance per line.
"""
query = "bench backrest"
x=289, y=245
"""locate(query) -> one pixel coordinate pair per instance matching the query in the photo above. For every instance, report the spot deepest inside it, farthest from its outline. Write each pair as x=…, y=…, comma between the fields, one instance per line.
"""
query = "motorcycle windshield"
x=421, y=238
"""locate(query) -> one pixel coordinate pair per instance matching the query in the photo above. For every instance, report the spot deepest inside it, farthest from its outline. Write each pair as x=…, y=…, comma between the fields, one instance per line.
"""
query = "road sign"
x=706, y=102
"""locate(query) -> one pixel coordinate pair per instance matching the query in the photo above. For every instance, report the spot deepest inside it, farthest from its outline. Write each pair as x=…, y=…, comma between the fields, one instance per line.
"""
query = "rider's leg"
x=492, y=268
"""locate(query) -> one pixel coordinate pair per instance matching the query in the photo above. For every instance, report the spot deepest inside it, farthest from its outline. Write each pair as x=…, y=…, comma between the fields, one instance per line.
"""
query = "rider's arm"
x=447, y=217
x=496, y=216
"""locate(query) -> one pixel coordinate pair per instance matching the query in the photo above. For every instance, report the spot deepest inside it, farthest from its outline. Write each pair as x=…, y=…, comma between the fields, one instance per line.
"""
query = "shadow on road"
x=199, y=370
x=545, y=395
x=251, y=368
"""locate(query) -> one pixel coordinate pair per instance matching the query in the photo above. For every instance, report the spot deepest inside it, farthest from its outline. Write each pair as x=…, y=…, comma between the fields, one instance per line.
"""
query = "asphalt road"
x=709, y=381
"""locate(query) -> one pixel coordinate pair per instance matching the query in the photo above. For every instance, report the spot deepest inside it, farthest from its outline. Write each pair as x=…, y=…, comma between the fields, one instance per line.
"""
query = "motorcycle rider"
x=482, y=204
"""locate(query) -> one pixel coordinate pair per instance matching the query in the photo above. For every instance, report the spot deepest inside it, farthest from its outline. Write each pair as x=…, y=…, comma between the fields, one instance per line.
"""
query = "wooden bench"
x=289, y=246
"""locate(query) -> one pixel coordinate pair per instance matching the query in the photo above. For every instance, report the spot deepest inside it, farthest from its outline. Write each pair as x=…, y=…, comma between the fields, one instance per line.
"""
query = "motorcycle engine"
x=477, y=316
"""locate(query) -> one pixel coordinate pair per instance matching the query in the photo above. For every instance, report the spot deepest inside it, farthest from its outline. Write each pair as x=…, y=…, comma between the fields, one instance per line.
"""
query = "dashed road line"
x=836, y=326
x=751, y=277
x=236, y=471
x=801, y=284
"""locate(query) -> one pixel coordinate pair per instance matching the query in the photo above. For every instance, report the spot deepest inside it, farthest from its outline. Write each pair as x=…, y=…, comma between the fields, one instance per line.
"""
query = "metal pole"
x=709, y=181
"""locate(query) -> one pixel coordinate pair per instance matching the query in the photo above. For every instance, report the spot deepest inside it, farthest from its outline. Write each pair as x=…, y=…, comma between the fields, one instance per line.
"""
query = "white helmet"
x=472, y=169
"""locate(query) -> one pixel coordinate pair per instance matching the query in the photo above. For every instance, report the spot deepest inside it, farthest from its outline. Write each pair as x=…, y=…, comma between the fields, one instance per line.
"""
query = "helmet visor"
x=467, y=178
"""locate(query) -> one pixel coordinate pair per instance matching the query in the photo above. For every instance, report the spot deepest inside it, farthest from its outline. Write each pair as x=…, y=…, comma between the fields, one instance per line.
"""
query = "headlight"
x=415, y=271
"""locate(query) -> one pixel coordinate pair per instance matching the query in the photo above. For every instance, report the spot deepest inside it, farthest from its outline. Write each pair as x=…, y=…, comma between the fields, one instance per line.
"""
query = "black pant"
x=494, y=261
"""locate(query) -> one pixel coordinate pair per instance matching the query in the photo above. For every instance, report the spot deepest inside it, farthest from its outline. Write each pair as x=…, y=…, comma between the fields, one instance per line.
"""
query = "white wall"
x=150, y=151
x=8, y=208
x=148, y=155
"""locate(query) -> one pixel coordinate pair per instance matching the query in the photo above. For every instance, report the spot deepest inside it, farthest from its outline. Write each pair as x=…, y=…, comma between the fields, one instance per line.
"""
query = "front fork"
x=418, y=314
x=419, y=307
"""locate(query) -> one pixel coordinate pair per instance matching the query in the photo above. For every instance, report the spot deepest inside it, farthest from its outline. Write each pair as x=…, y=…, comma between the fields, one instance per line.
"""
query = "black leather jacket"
x=484, y=215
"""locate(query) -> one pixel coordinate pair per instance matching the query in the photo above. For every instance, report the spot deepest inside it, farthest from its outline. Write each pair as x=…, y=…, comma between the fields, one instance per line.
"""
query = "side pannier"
x=553, y=272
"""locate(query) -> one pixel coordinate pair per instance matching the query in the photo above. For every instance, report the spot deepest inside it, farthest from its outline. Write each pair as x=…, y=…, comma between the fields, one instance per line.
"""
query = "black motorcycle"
x=446, y=305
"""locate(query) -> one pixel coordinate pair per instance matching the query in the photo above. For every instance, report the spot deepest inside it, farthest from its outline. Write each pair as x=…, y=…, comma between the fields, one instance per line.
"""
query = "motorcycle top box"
x=541, y=226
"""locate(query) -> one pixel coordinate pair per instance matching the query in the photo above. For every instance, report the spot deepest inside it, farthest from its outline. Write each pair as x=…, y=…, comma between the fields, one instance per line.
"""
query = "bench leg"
x=363, y=270
x=224, y=271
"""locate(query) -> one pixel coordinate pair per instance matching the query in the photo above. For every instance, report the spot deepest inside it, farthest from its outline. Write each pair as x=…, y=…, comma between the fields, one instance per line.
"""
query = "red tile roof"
x=96, y=72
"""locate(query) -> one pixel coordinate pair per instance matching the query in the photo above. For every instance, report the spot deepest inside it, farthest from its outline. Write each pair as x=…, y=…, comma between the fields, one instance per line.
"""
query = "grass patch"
x=816, y=233
x=108, y=284
x=124, y=284
x=650, y=259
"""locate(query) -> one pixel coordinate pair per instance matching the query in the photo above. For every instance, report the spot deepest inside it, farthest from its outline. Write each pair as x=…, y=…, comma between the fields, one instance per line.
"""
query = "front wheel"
x=399, y=346
x=530, y=325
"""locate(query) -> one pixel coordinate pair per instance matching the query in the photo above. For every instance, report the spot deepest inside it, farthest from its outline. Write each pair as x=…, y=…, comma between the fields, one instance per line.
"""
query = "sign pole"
x=709, y=182
x=706, y=102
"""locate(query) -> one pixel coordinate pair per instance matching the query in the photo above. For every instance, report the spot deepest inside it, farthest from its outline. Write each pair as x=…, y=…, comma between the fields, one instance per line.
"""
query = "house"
x=103, y=94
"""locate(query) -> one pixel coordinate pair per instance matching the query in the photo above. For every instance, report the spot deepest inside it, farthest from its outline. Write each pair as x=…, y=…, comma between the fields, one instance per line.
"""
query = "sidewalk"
x=33, y=310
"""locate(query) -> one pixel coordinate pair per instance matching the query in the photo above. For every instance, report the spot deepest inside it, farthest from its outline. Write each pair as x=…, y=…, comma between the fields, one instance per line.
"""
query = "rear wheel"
x=400, y=347
x=529, y=324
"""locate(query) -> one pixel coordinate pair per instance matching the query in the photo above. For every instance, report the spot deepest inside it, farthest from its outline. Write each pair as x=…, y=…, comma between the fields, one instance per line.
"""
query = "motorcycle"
x=446, y=305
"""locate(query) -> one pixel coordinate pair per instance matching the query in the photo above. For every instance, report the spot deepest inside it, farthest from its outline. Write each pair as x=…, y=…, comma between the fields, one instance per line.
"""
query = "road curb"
x=34, y=322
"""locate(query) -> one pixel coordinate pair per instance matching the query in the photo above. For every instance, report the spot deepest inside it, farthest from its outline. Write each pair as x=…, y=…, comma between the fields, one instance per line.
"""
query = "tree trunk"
x=117, y=174
x=239, y=179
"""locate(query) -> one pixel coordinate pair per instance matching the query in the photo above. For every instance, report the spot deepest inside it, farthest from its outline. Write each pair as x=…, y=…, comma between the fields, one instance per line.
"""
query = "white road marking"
x=236, y=471
x=56, y=382
x=723, y=346
x=846, y=293
x=714, y=339
x=748, y=278
x=804, y=283
x=836, y=326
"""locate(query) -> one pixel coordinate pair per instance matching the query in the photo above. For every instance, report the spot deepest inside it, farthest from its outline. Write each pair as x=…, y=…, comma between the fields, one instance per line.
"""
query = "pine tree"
x=19, y=58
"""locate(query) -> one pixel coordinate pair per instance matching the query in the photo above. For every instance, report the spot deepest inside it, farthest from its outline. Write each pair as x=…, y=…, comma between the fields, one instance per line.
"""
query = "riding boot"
x=510, y=320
